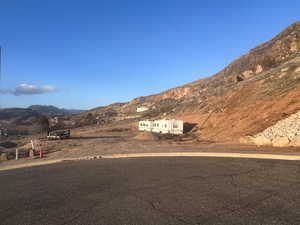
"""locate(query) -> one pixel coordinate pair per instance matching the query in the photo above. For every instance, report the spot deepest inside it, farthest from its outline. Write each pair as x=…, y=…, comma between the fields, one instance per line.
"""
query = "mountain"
x=72, y=111
x=48, y=110
x=34, y=111
x=52, y=110
x=18, y=113
x=246, y=97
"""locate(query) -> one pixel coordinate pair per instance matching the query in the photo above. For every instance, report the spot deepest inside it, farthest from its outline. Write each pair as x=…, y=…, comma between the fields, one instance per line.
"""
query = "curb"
x=171, y=154
x=206, y=154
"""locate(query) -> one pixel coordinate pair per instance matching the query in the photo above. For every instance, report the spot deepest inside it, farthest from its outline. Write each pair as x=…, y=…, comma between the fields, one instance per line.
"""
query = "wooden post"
x=31, y=153
x=41, y=153
x=17, y=154
x=32, y=145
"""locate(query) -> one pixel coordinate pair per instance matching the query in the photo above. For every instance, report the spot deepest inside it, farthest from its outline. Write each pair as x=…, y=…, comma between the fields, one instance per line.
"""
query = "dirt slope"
x=250, y=94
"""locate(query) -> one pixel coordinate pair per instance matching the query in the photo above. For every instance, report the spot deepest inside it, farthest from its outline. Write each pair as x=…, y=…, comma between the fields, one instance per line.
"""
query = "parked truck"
x=59, y=134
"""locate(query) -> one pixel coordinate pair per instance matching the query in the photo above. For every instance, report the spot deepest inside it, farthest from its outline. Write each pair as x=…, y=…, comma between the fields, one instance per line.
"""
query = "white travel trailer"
x=162, y=126
x=146, y=125
x=168, y=126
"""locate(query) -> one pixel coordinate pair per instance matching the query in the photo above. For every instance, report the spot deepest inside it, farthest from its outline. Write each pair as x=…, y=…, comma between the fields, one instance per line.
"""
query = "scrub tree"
x=44, y=126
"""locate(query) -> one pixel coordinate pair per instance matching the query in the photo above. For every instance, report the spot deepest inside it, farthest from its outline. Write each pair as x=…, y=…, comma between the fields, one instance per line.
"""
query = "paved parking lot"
x=153, y=191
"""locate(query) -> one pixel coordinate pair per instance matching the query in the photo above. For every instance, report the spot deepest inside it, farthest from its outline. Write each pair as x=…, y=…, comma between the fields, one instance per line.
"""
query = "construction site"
x=222, y=149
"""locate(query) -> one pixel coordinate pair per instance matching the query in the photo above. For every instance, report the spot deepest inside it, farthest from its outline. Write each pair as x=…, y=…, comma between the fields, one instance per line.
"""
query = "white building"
x=142, y=109
x=164, y=126
x=145, y=125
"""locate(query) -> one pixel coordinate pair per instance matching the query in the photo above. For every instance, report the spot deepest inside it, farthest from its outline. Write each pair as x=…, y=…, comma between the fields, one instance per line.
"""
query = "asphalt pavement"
x=153, y=191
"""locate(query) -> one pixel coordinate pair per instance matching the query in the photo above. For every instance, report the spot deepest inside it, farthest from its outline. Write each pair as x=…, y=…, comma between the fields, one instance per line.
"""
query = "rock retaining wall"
x=285, y=132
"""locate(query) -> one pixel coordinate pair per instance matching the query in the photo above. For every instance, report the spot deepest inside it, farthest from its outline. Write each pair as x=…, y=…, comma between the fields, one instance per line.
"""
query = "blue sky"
x=83, y=54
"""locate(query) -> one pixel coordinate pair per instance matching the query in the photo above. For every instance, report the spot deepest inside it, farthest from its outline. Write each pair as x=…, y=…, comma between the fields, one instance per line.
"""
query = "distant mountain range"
x=52, y=110
x=35, y=111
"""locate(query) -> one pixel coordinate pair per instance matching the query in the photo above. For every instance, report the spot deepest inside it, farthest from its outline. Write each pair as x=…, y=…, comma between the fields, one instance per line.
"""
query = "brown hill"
x=249, y=95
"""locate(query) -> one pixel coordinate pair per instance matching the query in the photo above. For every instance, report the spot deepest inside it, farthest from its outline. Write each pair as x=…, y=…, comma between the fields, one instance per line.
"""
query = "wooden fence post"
x=17, y=154
x=31, y=153
x=32, y=145
x=32, y=150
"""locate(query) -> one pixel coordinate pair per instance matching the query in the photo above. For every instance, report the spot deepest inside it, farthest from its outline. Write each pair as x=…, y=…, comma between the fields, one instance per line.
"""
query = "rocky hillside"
x=50, y=110
x=17, y=113
x=249, y=95
x=32, y=113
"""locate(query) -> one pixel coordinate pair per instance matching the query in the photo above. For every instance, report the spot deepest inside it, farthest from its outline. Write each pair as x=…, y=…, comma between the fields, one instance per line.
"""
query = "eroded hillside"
x=249, y=95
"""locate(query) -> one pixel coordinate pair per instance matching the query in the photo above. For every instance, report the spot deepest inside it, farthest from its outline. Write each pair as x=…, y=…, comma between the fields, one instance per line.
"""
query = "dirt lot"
x=95, y=140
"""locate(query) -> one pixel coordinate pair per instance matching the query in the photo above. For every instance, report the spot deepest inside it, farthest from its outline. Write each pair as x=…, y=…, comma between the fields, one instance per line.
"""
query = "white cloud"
x=29, y=89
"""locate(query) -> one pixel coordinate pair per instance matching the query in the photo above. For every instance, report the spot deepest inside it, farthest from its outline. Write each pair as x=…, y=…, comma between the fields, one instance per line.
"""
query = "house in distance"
x=142, y=109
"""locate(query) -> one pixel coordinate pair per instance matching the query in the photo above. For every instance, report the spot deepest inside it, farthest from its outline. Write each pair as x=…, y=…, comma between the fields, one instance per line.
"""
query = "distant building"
x=56, y=120
x=164, y=126
x=142, y=109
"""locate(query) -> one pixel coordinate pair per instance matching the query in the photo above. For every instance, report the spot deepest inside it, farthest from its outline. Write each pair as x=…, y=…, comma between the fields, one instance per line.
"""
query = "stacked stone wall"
x=285, y=132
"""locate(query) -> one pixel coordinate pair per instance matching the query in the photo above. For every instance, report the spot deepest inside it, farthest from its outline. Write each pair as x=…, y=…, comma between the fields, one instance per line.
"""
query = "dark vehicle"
x=3, y=133
x=59, y=134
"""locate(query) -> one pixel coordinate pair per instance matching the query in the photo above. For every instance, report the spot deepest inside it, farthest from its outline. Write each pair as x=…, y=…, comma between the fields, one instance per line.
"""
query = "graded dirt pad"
x=146, y=136
x=101, y=141
x=153, y=191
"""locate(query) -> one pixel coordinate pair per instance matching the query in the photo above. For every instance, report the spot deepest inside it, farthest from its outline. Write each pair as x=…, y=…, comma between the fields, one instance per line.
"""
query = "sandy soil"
x=248, y=118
